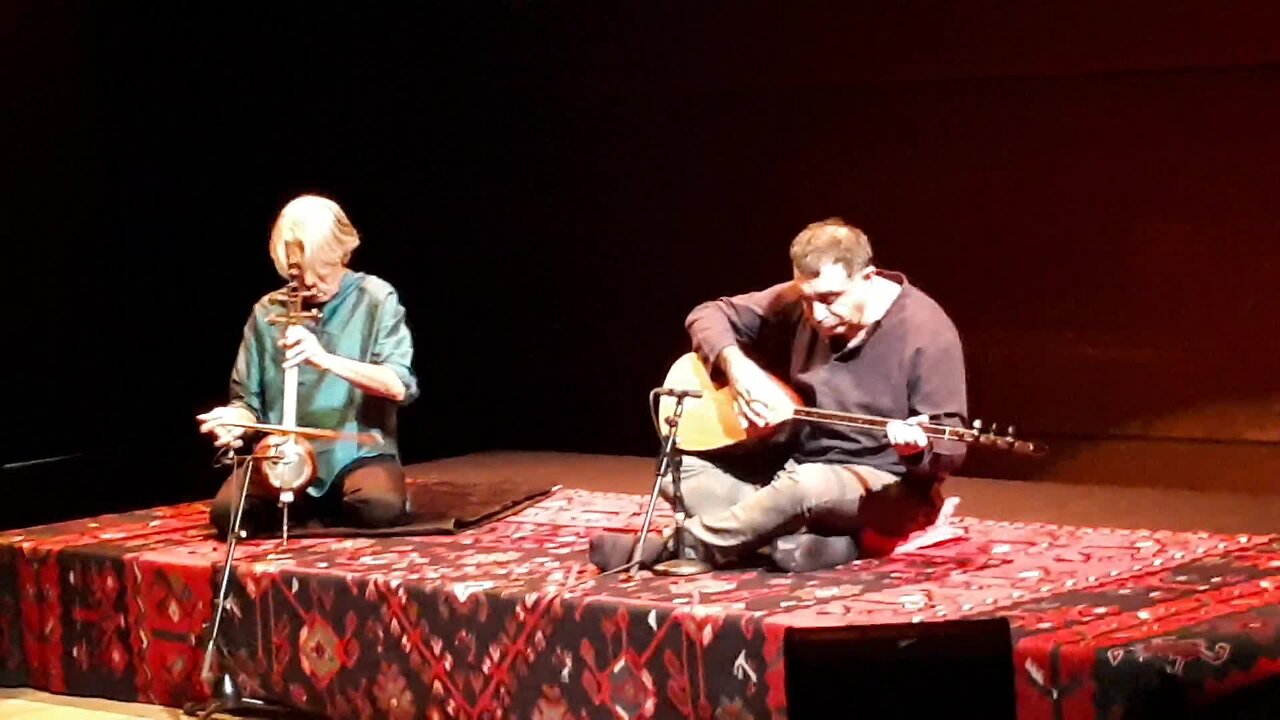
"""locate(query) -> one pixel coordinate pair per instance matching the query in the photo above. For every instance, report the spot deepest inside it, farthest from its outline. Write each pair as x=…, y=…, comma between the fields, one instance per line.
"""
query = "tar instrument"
x=286, y=460
x=710, y=419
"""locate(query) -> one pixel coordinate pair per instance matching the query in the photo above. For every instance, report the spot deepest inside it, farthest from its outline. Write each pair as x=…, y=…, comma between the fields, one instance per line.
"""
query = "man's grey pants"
x=735, y=510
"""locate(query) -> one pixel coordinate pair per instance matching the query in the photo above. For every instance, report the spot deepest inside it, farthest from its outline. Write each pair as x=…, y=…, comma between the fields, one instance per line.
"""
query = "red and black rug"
x=504, y=617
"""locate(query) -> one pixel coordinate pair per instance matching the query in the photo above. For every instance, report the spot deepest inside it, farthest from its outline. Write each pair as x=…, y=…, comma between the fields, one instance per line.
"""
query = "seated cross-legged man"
x=843, y=335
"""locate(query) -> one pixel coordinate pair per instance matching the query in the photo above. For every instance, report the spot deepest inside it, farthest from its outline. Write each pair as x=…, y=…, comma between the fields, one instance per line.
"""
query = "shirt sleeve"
x=246, y=375
x=736, y=320
x=937, y=389
x=394, y=345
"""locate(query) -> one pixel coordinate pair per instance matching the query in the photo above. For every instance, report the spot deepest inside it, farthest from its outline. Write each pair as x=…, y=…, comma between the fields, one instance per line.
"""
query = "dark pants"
x=368, y=493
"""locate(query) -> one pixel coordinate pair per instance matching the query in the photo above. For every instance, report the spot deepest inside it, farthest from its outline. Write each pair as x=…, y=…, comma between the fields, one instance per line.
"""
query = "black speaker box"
x=963, y=668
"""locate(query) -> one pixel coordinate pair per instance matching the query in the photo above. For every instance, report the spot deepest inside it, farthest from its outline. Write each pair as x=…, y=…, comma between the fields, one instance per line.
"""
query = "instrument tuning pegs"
x=978, y=435
x=989, y=434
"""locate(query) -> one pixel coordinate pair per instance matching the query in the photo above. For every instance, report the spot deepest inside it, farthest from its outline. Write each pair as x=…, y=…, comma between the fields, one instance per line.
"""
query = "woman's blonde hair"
x=327, y=235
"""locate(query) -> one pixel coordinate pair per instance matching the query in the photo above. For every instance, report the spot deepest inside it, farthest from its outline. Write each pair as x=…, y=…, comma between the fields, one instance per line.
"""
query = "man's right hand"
x=759, y=399
x=223, y=435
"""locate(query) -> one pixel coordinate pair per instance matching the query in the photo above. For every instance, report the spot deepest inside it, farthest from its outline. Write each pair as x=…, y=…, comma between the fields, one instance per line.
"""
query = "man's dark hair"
x=827, y=241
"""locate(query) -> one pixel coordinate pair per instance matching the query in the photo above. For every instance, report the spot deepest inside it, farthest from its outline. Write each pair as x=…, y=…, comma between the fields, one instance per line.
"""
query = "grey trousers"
x=738, y=509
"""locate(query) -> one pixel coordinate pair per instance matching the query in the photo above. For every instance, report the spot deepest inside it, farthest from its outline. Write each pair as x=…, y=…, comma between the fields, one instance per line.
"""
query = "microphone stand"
x=226, y=696
x=669, y=462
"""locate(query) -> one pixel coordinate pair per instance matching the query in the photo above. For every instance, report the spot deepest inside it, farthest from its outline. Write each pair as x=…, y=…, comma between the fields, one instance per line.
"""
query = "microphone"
x=676, y=393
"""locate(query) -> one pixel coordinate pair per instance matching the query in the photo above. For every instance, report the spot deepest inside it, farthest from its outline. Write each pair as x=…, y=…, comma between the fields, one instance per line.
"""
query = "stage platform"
x=507, y=618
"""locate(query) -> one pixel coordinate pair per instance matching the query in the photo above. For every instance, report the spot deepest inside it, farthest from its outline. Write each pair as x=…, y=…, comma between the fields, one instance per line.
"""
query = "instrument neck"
x=295, y=292
x=871, y=422
x=290, y=415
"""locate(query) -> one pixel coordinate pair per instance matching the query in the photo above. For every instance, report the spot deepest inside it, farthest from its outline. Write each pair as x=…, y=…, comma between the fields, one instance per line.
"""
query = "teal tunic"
x=363, y=321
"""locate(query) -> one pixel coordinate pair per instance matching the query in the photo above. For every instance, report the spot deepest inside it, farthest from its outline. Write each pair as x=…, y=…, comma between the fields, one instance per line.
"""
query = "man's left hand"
x=906, y=436
x=301, y=345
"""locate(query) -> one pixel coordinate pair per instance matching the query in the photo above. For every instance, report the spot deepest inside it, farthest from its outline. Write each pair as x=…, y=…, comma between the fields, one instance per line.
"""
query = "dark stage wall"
x=1088, y=189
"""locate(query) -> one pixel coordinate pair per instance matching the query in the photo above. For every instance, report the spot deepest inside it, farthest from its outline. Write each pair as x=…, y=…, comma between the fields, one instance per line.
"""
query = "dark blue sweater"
x=910, y=363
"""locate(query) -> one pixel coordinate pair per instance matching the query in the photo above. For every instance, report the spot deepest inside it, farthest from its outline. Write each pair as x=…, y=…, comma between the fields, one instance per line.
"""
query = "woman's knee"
x=373, y=511
x=220, y=516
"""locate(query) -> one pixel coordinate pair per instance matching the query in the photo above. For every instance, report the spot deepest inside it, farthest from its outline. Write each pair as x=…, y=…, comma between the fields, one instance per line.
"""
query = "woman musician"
x=350, y=373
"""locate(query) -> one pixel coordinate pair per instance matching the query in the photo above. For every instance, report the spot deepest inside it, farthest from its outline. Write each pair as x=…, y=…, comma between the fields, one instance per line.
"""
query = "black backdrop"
x=1088, y=187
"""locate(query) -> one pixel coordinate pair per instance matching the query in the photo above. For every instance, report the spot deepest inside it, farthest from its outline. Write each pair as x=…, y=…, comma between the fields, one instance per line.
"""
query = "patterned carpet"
x=507, y=619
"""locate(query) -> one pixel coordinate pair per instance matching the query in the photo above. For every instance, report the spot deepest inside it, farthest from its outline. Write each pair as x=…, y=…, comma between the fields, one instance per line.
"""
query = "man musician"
x=847, y=336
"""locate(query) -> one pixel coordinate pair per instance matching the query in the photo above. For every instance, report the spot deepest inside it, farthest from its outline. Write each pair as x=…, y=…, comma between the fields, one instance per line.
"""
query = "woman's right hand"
x=223, y=435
